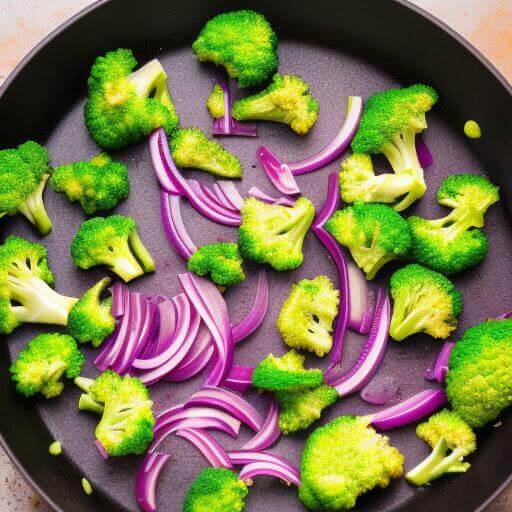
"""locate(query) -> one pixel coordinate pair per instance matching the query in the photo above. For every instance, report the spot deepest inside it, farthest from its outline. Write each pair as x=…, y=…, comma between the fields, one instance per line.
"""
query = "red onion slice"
x=287, y=475
x=240, y=378
x=211, y=449
x=279, y=175
x=441, y=365
x=380, y=391
x=147, y=478
x=213, y=204
x=243, y=457
x=166, y=328
x=425, y=157
x=101, y=449
x=505, y=316
x=118, y=297
x=228, y=188
x=269, y=432
x=283, y=200
x=363, y=297
x=158, y=163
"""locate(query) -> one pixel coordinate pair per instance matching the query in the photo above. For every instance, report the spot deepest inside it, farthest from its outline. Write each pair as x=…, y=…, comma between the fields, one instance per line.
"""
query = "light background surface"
x=23, y=23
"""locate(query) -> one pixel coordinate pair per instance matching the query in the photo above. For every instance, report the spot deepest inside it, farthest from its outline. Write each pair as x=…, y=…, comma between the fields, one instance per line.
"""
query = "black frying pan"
x=341, y=48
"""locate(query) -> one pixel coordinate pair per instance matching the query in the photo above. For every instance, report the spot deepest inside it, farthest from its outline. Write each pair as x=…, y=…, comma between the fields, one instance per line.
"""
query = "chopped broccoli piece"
x=99, y=184
x=55, y=449
x=191, y=148
x=23, y=175
x=86, y=486
x=472, y=129
x=285, y=373
x=479, y=379
x=374, y=233
x=452, y=244
x=343, y=460
x=222, y=261
x=274, y=234
x=424, y=301
x=306, y=318
x=243, y=42
x=215, y=102
x=26, y=281
x=111, y=241
x=298, y=410
x=41, y=364
x=451, y=439
x=90, y=319
x=124, y=106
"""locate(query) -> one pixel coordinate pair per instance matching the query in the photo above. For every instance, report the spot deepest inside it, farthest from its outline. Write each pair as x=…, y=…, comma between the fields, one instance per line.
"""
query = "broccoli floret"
x=222, y=261
x=99, y=184
x=243, y=42
x=454, y=243
x=111, y=241
x=424, y=301
x=358, y=182
x=191, y=148
x=451, y=439
x=274, y=234
x=286, y=100
x=215, y=102
x=216, y=490
x=124, y=106
x=285, y=373
x=298, y=410
x=23, y=175
x=374, y=233
x=127, y=421
x=26, y=281
x=40, y=366
x=90, y=319
x=479, y=379
x=343, y=460
x=306, y=318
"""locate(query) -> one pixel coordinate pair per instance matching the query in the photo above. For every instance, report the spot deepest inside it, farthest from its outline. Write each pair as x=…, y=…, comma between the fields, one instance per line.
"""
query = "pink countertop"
x=23, y=23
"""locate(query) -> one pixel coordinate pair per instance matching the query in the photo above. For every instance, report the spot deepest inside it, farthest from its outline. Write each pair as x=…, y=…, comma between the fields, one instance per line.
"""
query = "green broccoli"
x=99, y=184
x=243, y=42
x=191, y=148
x=445, y=432
x=41, y=364
x=222, y=261
x=26, y=281
x=124, y=106
x=374, y=233
x=23, y=175
x=111, y=241
x=215, y=102
x=306, y=318
x=285, y=373
x=90, y=319
x=479, y=379
x=274, y=234
x=286, y=100
x=424, y=301
x=452, y=244
x=358, y=182
x=343, y=460
x=127, y=421
x=299, y=409
x=216, y=490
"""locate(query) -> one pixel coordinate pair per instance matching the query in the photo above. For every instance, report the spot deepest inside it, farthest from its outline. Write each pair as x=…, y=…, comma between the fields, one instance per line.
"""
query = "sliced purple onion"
x=363, y=297
x=158, y=164
x=505, y=316
x=101, y=449
x=212, y=450
x=287, y=475
x=425, y=157
x=166, y=328
x=213, y=196
x=231, y=194
x=279, y=175
x=380, y=391
x=214, y=204
x=219, y=193
x=243, y=457
x=240, y=378
x=269, y=432
x=118, y=298
x=147, y=478
x=441, y=366
x=283, y=200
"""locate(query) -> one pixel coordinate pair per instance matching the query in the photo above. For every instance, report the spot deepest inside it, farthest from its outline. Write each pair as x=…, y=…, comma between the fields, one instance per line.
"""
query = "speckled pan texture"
x=333, y=74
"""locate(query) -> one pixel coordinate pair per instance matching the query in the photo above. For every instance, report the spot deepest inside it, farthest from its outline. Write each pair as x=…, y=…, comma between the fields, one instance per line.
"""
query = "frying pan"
x=340, y=48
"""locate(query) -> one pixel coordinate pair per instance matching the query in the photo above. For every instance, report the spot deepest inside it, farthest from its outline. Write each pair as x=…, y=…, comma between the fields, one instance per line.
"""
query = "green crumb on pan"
x=55, y=449
x=472, y=129
x=86, y=486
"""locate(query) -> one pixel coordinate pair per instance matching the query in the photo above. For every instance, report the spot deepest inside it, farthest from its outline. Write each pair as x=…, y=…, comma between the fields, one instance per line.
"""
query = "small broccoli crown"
x=298, y=410
x=216, y=490
x=424, y=301
x=285, y=373
x=222, y=261
x=391, y=113
x=478, y=384
x=306, y=318
x=191, y=148
x=243, y=42
x=374, y=233
x=99, y=184
x=41, y=364
x=286, y=100
x=111, y=241
x=215, y=102
x=125, y=106
x=90, y=319
x=343, y=460
x=274, y=234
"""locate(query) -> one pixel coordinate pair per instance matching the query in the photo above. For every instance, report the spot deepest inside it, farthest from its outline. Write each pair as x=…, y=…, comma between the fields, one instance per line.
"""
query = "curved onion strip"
x=101, y=449
x=118, y=297
x=505, y=316
x=243, y=457
x=166, y=328
x=213, y=196
x=157, y=162
x=211, y=449
x=287, y=475
x=363, y=296
x=380, y=390
x=425, y=157
x=279, y=174
x=283, y=200
x=147, y=478
x=240, y=378
x=269, y=432
x=149, y=327
x=212, y=204
x=228, y=188
x=441, y=365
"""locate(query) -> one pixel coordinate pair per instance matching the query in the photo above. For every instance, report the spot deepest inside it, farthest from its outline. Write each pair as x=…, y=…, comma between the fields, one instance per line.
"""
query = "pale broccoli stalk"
x=86, y=401
x=112, y=241
x=451, y=439
x=41, y=365
x=424, y=301
x=274, y=234
x=306, y=318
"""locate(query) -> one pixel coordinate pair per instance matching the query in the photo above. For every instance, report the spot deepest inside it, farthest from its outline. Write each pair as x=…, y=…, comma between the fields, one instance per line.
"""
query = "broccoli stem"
x=141, y=253
x=87, y=403
x=459, y=221
x=262, y=108
x=33, y=209
x=125, y=265
x=84, y=383
x=403, y=325
x=370, y=259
